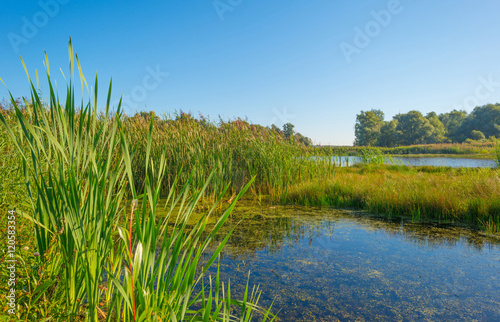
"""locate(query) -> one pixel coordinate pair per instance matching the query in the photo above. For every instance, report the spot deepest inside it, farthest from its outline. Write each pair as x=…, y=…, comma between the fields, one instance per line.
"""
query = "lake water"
x=321, y=264
x=425, y=161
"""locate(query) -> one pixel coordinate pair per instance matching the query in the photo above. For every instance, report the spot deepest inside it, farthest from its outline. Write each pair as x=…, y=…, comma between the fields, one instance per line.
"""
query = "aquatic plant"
x=469, y=196
x=371, y=156
x=498, y=155
x=96, y=261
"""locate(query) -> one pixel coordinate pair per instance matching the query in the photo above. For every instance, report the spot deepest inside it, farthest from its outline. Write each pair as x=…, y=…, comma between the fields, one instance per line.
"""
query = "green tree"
x=484, y=118
x=288, y=130
x=367, y=128
x=477, y=135
x=452, y=122
x=439, y=132
x=388, y=134
x=413, y=128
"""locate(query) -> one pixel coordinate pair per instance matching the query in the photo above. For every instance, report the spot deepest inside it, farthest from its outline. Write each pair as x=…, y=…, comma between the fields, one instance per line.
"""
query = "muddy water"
x=321, y=264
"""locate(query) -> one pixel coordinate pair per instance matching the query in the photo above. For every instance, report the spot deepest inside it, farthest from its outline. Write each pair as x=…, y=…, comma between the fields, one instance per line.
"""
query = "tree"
x=367, y=128
x=288, y=130
x=483, y=118
x=452, y=122
x=388, y=134
x=438, y=134
x=413, y=128
x=477, y=135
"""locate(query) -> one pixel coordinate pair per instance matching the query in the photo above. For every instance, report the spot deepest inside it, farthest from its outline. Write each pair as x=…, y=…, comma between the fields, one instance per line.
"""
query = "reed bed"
x=234, y=150
x=470, y=196
x=100, y=256
x=89, y=181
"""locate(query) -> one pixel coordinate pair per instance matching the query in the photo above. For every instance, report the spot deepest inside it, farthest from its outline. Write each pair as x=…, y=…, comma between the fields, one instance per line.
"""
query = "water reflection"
x=325, y=265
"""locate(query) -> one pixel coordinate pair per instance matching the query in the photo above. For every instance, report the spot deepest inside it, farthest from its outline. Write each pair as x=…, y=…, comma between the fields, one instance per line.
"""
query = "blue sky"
x=314, y=63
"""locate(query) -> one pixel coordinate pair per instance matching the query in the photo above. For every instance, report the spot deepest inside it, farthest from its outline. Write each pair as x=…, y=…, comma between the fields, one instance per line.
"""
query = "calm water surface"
x=321, y=264
x=429, y=161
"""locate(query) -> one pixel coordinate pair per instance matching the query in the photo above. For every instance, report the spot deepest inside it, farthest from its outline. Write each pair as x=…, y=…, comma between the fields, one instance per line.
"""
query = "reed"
x=483, y=149
x=235, y=150
x=498, y=155
x=469, y=196
x=78, y=172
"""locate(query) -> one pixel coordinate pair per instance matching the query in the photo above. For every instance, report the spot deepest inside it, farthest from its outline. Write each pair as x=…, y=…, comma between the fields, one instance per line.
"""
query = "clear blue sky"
x=298, y=61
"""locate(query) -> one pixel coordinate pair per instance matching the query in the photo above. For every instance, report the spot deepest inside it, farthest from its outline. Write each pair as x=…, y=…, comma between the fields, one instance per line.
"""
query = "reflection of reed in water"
x=270, y=228
x=270, y=231
x=430, y=235
x=324, y=264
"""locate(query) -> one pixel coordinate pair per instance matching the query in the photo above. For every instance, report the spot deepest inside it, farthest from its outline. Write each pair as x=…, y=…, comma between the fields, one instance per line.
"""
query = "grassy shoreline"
x=468, y=196
x=480, y=149
x=78, y=175
x=458, y=156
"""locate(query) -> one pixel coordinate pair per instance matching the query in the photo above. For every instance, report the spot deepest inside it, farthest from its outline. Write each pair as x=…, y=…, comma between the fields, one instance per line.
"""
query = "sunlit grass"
x=95, y=261
x=470, y=196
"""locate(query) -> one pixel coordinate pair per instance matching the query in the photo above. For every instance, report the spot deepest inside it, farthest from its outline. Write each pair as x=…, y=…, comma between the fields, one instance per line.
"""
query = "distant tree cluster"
x=289, y=133
x=414, y=128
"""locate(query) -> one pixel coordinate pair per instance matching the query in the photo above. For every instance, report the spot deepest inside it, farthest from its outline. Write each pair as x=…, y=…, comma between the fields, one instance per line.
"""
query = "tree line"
x=414, y=128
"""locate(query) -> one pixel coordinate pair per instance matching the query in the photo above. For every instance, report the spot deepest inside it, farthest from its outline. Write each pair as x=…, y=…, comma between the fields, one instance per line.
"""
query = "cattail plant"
x=98, y=261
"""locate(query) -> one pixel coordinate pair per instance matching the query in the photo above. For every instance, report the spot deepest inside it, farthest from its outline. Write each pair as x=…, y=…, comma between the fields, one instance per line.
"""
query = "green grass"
x=89, y=184
x=97, y=259
x=235, y=151
x=478, y=149
x=470, y=196
x=498, y=155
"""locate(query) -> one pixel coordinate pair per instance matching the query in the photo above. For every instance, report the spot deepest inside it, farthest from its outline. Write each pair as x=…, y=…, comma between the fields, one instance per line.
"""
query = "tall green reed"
x=77, y=166
x=234, y=150
x=497, y=151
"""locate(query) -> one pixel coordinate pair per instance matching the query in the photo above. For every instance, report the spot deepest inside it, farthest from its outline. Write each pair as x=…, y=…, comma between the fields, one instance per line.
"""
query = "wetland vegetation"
x=131, y=217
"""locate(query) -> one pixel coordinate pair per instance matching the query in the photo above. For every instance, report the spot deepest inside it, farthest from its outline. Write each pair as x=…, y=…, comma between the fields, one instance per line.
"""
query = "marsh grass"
x=483, y=149
x=469, y=196
x=234, y=150
x=497, y=151
x=97, y=262
x=371, y=156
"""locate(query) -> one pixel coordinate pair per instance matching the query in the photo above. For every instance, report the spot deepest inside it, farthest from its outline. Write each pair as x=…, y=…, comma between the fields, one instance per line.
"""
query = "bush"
x=477, y=135
x=371, y=156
